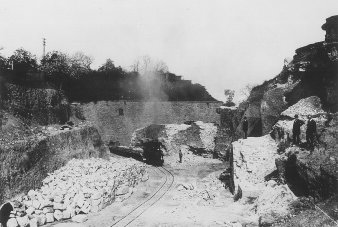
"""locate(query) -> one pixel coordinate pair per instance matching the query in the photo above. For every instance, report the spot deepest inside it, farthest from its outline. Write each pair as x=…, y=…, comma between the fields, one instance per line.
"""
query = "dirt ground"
x=196, y=198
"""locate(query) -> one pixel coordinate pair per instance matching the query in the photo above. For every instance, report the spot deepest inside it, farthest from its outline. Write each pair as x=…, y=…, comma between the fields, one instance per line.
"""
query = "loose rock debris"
x=71, y=192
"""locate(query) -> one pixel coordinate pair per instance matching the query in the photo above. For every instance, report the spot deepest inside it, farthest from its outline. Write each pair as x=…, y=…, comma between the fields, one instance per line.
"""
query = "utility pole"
x=44, y=47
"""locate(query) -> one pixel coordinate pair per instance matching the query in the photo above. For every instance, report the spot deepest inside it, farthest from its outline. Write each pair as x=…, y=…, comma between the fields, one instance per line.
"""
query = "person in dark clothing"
x=296, y=130
x=311, y=132
x=245, y=127
x=180, y=154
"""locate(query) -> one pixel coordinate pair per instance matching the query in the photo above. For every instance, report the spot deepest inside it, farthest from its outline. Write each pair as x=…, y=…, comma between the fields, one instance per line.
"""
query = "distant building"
x=331, y=28
x=172, y=77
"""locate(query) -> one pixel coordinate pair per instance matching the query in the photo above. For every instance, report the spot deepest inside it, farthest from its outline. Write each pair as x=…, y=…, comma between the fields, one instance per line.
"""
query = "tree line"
x=147, y=79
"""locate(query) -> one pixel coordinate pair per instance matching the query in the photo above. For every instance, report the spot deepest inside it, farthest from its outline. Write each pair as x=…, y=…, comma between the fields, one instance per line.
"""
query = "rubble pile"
x=206, y=192
x=71, y=192
x=198, y=136
x=208, y=133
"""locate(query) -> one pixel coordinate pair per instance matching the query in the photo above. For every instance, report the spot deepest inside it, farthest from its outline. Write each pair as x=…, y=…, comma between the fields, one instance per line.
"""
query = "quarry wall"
x=37, y=105
x=26, y=163
x=117, y=120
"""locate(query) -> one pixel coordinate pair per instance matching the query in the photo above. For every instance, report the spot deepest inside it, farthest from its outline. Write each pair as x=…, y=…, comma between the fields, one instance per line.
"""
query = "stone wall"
x=117, y=121
x=24, y=164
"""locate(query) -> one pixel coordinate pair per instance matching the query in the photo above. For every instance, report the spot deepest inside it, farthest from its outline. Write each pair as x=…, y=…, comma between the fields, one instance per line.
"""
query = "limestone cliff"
x=268, y=168
x=313, y=71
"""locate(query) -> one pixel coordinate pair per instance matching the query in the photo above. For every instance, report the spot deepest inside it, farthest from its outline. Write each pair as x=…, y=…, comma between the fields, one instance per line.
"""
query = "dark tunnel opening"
x=5, y=212
x=296, y=183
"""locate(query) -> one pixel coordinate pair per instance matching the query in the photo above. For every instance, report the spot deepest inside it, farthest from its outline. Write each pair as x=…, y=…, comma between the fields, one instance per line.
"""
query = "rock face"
x=198, y=136
x=267, y=168
x=310, y=172
x=253, y=161
x=26, y=162
x=80, y=187
x=310, y=106
x=312, y=72
x=38, y=105
x=255, y=176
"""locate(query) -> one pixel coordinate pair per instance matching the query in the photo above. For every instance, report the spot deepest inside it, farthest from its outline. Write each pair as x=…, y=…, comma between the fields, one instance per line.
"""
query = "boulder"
x=253, y=160
x=41, y=219
x=36, y=204
x=58, y=215
x=304, y=107
x=12, y=222
x=33, y=222
x=30, y=210
x=59, y=206
x=122, y=190
x=66, y=214
x=48, y=210
x=23, y=221
x=80, y=218
x=49, y=217
x=275, y=200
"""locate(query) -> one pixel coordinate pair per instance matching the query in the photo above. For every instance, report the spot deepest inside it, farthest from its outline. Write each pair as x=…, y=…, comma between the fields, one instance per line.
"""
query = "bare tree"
x=245, y=92
x=161, y=67
x=147, y=66
x=135, y=67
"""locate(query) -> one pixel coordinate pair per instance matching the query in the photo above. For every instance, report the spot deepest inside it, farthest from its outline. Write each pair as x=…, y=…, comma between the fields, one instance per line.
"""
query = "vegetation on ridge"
x=147, y=79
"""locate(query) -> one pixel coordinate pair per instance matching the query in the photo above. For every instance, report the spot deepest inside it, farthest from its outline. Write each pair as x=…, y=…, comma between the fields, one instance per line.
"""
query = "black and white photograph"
x=168, y=113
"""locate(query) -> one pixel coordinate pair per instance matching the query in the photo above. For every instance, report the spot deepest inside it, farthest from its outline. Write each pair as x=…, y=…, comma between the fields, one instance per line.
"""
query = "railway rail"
x=155, y=197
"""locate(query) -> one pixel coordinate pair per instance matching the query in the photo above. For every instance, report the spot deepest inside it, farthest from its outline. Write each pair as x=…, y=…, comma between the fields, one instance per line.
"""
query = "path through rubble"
x=196, y=197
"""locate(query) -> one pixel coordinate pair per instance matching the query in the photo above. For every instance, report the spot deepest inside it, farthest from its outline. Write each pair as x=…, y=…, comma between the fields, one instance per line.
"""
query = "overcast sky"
x=218, y=43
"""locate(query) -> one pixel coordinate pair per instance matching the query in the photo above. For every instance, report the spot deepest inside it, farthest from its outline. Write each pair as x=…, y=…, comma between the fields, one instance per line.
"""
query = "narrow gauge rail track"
x=145, y=205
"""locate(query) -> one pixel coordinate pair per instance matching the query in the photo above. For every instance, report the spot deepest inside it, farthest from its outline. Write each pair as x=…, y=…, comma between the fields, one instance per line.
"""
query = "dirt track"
x=196, y=198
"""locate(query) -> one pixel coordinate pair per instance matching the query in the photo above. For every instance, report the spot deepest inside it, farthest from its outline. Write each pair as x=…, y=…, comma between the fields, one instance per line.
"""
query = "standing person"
x=180, y=154
x=245, y=127
x=296, y=130
x=311, y=132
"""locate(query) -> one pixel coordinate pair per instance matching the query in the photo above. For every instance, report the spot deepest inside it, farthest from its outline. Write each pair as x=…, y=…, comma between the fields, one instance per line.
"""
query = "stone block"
x=33, y=222
x=38, y=212
x=36, y=204
x=58, y=215
x=48, y=210
x=12, y=222
x=30, y=210
x=66, y=214
x=58, y=206
x=122, y=190
x=58, y=199
x=41, y=219
x=49, y=217
x=79, y=218
x=23, y=221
